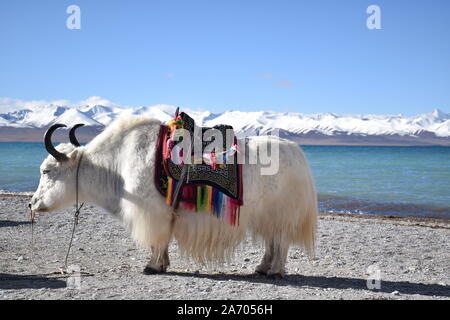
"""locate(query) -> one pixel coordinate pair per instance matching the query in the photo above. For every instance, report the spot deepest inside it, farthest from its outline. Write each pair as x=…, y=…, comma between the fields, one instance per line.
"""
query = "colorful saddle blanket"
x=214, y=179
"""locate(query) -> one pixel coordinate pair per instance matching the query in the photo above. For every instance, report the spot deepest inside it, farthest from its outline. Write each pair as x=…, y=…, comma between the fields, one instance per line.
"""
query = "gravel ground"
x=412, y=257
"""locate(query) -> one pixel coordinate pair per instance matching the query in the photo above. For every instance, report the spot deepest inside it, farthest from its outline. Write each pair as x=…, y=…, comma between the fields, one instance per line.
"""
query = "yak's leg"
x=278, y=260
x=266, y=261
x=159, y=261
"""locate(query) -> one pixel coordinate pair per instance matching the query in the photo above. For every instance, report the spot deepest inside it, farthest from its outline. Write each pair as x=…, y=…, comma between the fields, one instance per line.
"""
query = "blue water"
x=19, y=165
x=409, y=181
x=382, y=180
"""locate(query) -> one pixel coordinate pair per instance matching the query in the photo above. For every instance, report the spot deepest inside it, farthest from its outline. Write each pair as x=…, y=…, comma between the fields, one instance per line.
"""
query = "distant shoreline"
x=419, y=221
x=16, y=135
x=300, y=142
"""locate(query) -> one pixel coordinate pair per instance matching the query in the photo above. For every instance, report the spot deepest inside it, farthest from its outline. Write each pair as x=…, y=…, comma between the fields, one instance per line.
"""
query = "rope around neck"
x=76, y=215
x=77, y=211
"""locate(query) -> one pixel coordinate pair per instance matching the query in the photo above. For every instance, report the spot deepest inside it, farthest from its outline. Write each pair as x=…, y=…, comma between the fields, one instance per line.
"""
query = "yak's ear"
x=73, y=155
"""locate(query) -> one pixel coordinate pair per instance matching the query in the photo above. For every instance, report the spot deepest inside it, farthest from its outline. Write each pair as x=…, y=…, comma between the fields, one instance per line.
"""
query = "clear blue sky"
x=301, y=56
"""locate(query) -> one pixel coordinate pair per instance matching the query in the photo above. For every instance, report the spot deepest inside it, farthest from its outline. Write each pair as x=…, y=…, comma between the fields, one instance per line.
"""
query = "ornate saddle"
x=205, y=180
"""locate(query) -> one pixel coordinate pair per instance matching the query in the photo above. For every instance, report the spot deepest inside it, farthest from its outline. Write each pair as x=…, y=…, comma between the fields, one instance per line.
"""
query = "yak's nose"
x=29, y=205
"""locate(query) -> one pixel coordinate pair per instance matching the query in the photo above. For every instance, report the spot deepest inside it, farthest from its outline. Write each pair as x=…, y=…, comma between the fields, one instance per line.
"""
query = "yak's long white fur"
x=117, y=173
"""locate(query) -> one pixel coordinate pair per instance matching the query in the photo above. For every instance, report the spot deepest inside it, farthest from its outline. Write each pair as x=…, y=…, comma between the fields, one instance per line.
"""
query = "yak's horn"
x=48, y=142
x=72, y=137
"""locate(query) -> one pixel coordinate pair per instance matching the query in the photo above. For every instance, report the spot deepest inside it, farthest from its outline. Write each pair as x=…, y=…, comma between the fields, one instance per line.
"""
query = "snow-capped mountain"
x=434, y=124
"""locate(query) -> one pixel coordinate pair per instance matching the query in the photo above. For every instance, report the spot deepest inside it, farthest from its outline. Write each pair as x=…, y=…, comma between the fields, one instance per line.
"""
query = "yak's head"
x=58, y=173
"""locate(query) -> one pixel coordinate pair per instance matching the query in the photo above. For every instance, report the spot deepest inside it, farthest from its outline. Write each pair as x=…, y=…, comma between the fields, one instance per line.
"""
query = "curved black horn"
x=73, y=139
x=48, y=142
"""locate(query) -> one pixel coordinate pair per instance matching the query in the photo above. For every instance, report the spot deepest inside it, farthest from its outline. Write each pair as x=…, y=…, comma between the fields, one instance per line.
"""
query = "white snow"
x=73, y=116
x=437, y=121
x=4, y=122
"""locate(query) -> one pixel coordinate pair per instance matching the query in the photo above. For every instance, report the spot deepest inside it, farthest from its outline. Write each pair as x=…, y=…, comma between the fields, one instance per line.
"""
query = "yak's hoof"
x=262, y=270
x=151, y=270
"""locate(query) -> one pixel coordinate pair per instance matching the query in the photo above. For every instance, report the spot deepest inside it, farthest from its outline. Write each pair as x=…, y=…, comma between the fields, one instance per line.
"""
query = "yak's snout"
x=36, y=205
x=32, y=204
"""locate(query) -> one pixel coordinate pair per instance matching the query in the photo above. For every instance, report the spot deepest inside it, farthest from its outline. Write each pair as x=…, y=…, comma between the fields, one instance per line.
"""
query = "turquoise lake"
x=407, y=181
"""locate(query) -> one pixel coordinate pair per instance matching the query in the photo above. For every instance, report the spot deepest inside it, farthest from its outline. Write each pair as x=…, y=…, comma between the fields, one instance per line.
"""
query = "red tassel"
x=188, y=198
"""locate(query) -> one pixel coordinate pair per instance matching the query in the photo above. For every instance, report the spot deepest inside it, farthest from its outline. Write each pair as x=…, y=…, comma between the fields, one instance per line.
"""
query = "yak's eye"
x=45, y=171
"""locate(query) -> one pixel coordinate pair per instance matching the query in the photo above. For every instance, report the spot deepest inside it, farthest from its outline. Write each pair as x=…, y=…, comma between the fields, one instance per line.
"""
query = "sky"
x=286, y=56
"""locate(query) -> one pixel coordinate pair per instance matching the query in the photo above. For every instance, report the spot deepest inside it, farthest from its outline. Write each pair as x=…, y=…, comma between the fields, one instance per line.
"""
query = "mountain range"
x=431, y=128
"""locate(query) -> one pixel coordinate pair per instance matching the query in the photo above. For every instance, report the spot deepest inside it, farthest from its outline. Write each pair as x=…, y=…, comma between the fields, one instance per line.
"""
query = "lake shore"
x=411, y=254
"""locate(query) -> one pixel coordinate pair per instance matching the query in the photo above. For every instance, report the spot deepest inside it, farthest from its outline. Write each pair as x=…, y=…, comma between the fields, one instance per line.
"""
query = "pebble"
x=20, y=259
x=395, y=293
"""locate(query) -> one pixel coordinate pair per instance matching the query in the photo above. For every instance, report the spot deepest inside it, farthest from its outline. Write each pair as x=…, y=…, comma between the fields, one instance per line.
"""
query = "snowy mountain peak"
x=440, y=115
x=436, y=122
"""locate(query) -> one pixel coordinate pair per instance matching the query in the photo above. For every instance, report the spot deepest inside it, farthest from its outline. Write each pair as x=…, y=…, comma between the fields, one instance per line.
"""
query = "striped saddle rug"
x=199, y=180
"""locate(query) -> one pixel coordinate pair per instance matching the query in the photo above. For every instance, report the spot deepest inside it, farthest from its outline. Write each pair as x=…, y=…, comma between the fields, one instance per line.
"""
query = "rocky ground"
x=412, y=258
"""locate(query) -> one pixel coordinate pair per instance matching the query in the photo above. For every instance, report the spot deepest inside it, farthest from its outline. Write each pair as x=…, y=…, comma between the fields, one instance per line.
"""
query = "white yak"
x=116, y=173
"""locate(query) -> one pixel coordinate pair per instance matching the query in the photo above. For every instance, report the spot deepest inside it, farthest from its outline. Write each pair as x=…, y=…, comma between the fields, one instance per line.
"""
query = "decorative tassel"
x=217, y=202
x=188, y=198
x=203, y=198
x=169, y=191
x=232, y=211
x=209, y=198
